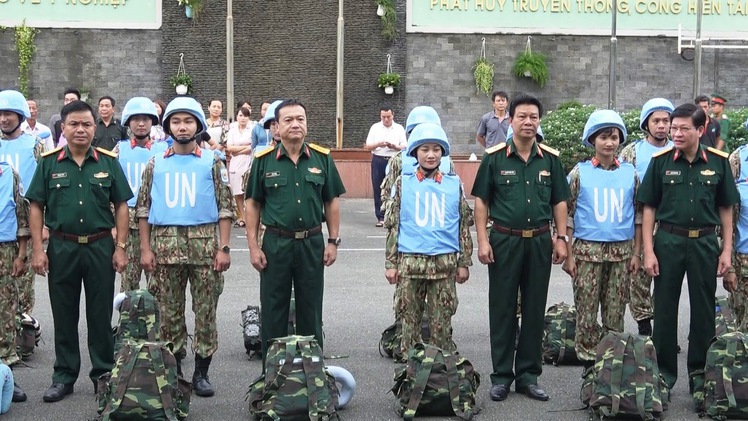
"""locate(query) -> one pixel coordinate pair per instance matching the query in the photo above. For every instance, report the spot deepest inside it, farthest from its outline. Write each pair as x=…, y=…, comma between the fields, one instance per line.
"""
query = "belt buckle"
x=693, y=233
x=82, y=239
x=299, y=235
x=527, y=233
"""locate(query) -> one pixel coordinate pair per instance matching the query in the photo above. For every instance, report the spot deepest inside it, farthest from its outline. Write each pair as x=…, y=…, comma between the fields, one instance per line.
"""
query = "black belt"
x=9, y=243
x=296, y=235
x=686, y=232
x=80, y=239
x=522, y=233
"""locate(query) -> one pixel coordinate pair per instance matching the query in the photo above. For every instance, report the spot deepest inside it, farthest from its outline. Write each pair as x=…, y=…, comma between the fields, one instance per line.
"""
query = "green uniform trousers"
x=520, y=264
x=296, y=263
x=69, y=263
x=677, y=256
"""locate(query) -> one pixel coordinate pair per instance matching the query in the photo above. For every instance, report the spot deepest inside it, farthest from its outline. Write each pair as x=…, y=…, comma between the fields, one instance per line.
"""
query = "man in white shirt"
x=33, y=128
x=385, y=139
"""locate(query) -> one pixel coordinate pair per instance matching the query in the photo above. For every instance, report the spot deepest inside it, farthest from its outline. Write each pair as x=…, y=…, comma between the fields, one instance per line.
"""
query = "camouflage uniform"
x=25, y=283
x=602, y=278
x=739, y=298
x=426, y=278
x=8, y=292
x=186, y=253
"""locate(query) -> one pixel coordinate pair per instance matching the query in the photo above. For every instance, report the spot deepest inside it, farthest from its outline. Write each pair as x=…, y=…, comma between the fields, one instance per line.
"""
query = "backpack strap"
x=313, y=381
x=159, y=368
x=453, y=384
x=615, y=365
x=562, y=347
x=279, y=377
x=729, y=363
x=419, y=386
x=124, y=375
x=641, y=381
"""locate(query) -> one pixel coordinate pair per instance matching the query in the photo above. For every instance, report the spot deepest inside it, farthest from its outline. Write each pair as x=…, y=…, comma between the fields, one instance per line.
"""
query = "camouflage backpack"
x=28, y=334
x=723, y=392
x=625, y=381
x=296, y=385
x=435, y=382
x=139, y=319
x=559, y=334
x=724, y=317
x=389, y=344
x=144, y=385
x=251, y=328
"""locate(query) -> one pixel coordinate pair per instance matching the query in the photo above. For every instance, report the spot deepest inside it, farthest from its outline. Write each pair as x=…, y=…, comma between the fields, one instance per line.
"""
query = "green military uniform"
x=76, y=200
x=602, y=279
x=520, y=196
x=687, y=197
x=186, y=253
x=292, y=198
x=424, y=278
x=9, y=302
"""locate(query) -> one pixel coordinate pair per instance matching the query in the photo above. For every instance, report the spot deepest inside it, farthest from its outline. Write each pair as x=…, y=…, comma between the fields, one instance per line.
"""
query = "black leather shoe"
x=534, y=392
x=499, y=392
x=18, y=394
x=57, y=392
x=645, y=327
x=201, y=385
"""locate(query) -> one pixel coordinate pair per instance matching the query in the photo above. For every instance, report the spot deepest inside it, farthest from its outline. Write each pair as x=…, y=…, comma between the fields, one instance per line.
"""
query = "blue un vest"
x=410, y=163
x=644, y=151
x=429, y=215
x=741, y=242
x=605, y=206
x=8, y=221
x=182, y=193
x=133, y=162
x=19, y=153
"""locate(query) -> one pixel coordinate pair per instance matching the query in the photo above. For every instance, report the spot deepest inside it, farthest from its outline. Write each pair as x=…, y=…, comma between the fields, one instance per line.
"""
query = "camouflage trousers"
x=739, y=298
x=442, y=305
x=130, y=278
x=641, y=299
x=604, y=286
x=8, y=307
x=25, y=285
x=168, y=284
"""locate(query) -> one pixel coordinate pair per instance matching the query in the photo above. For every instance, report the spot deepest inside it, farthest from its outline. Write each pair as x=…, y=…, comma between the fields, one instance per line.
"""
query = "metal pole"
x=230, y=114
x=612, y=66
x=697, y=51
x=339, y=91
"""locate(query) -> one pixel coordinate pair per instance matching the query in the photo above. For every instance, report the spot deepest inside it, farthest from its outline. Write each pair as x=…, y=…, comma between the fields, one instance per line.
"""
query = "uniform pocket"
x=100, y=188
x=708, y=187
x=543, y=184
x=671, y=185
x=315, y=181
x=59, y=192
x=508, y=186
x=275, y=188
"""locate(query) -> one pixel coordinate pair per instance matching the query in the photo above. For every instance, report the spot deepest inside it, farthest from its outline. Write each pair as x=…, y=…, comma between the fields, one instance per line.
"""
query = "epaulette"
x=496, y=148
x=263, y=152
x=106, y=152
x=723, y=154
x=53, y=151
x=662, y=152
x=548, y=149
x=319, y=149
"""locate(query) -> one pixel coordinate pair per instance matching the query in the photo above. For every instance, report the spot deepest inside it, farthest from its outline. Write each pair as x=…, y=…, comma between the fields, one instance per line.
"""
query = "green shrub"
x=738, y=134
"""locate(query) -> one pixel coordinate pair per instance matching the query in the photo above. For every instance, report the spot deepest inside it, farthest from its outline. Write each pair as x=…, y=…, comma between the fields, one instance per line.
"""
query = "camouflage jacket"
x=194, y=245
x=395, y=168
x=739, y=261
x=421, y=266
x=8, y=254
x=594, y=251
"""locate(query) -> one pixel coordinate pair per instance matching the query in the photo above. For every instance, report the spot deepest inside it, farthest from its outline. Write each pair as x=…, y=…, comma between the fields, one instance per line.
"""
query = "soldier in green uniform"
x=718, y=113
x=185, y=211
x=74, y=187
x=689, y=190
x=292, y=189
x=521, y=186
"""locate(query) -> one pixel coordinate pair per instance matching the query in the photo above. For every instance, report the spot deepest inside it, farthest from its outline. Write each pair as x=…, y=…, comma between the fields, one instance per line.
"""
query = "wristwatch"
x=123, y=246
x=335, y=241
x=563, y=237
x=226, y=249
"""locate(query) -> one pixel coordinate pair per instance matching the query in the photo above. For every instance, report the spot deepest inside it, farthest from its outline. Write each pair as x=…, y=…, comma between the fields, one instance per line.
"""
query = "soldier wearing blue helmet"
x=184, y=235
x=426, y=252
x=139, y=115
x=654, y=120
x=608, y=236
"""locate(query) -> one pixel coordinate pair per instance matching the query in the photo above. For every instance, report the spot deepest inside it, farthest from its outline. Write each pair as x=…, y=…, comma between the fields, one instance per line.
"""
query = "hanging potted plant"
x=483, y=72
x=531, y=65
x=388, y=81
x=182, y=82
x=192, y=8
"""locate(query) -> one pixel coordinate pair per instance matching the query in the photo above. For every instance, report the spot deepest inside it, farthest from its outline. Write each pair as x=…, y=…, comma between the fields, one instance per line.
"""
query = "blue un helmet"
x=139, y=106
x=654, y=104
x=421, y=114
x=188, y=105
x=602, y=119
x=428, y=133
x=539, y=135
x=14, y=101
x=270, y=114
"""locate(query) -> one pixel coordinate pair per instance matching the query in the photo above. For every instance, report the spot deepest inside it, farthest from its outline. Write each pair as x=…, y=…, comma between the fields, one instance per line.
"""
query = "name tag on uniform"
x=315, y=170
x=59, y=175
x=708, y=172
x=101, y=175
x=672, y=172
x=272, y=174
x=508, y=172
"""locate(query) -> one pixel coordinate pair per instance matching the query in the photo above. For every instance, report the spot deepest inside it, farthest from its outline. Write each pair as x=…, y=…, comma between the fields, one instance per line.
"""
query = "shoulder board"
x=319, y=149
x=548, y=149
x=662, y=152
x=53, y=151
x=496, y=148
x=263, y=152
x=107, y=152
x=723, y=154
